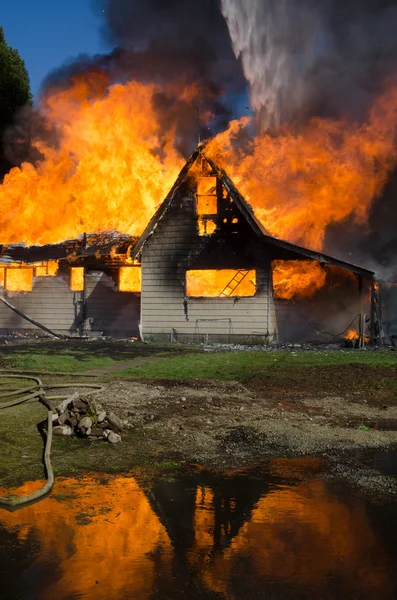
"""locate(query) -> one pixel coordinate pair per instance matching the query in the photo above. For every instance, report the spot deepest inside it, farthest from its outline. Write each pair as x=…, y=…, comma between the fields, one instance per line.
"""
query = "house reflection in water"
x=201, y=536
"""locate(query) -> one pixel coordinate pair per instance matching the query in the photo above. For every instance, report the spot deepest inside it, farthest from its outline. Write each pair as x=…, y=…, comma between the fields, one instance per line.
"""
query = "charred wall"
x=166, y=311
x=50, y=302
x=108, y=311
x=327, y=315
x=99, y=309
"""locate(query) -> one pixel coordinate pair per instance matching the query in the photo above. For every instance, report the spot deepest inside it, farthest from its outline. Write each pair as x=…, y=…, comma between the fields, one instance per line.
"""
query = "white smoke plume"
x=279, y=43
x=313, y=57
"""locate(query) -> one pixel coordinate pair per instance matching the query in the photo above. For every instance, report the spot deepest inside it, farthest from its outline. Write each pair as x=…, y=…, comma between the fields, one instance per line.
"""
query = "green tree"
x=14, y=91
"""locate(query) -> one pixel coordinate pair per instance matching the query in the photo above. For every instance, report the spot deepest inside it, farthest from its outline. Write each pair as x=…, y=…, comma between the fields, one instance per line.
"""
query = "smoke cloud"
x=306, y=57
x=178, y=44
x=328, y=58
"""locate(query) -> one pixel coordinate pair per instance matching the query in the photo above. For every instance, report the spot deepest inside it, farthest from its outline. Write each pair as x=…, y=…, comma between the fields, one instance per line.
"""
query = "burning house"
x=77, y=287
x=309, y=144
x=204, y=269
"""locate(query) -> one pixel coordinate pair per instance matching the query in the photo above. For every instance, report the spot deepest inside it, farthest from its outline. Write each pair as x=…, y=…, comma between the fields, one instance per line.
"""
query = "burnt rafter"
x=98, y=248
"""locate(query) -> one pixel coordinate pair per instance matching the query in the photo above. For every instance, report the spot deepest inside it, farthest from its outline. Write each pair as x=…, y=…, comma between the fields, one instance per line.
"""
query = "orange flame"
x=305, y=179
x=129, y=279
x=297, y=278
x=113, y=164
x=112, y=167
x=49, y=269
x=77, y=279
x=19, y=280
x=226, y=282
x=352, y=335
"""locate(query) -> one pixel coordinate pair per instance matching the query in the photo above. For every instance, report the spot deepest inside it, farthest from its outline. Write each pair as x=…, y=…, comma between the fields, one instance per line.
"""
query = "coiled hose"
x=38, y=391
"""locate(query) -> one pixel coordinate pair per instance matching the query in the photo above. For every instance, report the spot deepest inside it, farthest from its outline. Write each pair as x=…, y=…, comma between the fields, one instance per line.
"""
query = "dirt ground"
x=226, y=423
x=344, y=414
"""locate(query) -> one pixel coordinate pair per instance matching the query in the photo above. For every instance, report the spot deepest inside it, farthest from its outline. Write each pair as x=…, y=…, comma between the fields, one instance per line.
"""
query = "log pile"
x=86, y=419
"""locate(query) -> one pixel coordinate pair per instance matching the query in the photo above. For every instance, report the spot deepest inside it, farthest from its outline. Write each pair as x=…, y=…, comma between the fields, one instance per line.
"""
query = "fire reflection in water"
x=94, y=533
x=204, y=534
x=300, y=537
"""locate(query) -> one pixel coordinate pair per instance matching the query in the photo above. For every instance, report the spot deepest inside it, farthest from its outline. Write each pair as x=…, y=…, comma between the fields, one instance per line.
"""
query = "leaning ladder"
x=234, y=283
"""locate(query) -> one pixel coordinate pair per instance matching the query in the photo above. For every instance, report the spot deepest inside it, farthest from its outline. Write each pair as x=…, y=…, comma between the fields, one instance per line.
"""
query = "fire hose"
x=38, y=391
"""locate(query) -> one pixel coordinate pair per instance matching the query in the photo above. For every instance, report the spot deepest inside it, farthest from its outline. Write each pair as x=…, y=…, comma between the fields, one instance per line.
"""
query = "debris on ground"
x=226, y=423
x=341, y=346
x=86, y=419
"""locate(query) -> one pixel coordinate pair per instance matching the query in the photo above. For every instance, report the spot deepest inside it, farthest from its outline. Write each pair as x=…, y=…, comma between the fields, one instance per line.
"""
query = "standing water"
x=279, y=534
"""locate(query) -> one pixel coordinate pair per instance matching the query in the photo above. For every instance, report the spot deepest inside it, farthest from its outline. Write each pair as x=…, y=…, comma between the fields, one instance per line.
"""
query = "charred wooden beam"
x=91, y=245
x=29, y=319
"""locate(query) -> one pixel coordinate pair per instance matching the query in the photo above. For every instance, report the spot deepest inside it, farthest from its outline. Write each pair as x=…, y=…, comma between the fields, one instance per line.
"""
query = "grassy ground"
x=22, y=439
x=21, y=449
x=243, y=366
x=21, y=444
x=77, y=356
x=188, y=362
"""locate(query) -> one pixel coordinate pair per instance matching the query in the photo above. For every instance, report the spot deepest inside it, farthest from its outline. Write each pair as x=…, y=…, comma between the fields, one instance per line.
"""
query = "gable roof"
x=293, y=251
x=166, y=204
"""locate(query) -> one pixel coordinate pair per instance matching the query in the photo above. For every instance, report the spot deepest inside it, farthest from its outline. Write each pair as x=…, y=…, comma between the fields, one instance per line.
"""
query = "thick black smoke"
x=365, y=55
x=360, y=55
x=176, y=44
x=299, y=58
x=373, y=245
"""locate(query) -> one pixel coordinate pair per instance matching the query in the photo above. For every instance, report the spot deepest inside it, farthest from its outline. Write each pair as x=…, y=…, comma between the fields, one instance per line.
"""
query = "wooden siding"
x=54, y=305
x=164, y=304
x=50, y=302
x=109, y=311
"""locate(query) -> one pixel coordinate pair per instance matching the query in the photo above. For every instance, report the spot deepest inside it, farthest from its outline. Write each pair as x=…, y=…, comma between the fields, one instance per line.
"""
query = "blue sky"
x=49, y=32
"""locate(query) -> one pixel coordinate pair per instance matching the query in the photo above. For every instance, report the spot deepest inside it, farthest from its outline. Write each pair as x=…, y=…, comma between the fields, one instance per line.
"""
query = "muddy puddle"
x=284, y=532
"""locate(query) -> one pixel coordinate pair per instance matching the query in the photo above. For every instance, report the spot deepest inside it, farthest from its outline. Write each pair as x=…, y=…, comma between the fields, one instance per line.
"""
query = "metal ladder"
x=234, y=283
